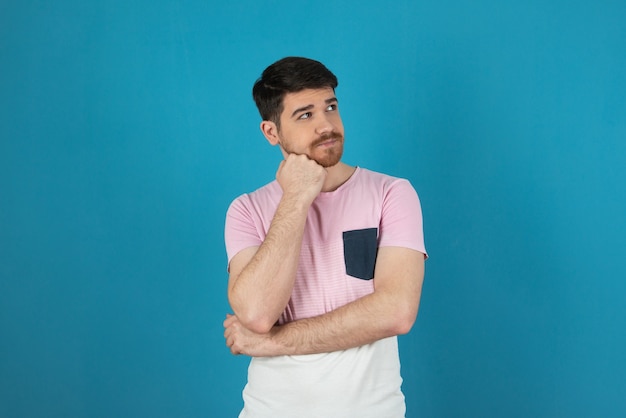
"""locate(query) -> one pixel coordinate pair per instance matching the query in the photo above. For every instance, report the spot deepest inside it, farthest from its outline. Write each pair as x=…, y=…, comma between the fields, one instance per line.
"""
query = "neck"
x=337, y=175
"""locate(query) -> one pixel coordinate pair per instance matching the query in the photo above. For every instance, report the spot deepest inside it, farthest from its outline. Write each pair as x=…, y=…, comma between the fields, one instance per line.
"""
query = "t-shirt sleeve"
x=240, y=231
x=401, y=221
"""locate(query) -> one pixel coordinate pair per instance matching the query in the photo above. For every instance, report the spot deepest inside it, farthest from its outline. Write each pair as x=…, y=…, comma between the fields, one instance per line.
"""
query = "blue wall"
x=126, y=128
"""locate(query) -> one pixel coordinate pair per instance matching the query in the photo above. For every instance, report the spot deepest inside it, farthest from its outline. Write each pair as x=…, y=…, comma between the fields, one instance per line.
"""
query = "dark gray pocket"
x=359, y=252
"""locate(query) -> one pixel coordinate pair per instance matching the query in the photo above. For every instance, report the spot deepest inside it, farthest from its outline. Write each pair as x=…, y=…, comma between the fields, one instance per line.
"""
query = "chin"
x=330, y=158
x=329, y=161
x=327, y=164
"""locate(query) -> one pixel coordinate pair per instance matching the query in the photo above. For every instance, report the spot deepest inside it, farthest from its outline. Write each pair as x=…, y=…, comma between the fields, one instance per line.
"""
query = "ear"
x=270, y=131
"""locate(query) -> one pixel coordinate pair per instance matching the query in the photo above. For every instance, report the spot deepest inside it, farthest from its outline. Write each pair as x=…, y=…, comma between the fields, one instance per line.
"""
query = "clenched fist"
x=301, y=177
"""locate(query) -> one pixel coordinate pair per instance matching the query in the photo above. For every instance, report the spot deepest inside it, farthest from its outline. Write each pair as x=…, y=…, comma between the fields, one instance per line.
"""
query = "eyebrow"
x=309, y=107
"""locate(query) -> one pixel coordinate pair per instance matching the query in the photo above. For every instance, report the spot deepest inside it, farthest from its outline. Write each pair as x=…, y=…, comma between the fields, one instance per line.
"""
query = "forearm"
x=390, y=310
x=350, y=326
x=261, y=290
x=361, y=322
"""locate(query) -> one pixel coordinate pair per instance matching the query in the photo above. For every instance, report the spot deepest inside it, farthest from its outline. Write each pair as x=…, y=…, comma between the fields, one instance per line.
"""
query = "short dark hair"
x=288, y=75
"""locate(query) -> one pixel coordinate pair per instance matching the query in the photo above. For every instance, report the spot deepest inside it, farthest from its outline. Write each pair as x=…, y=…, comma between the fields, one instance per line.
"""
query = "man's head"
x=296, y=99
x=288, y=75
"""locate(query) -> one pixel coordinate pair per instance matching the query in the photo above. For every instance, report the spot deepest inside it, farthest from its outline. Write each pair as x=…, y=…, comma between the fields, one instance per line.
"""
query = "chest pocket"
x=359, y=251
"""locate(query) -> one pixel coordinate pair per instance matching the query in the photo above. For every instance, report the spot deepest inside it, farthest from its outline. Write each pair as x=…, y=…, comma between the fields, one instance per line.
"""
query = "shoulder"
x=385, y=182
x=376, y=176
x=259, y=203
x=261, y=197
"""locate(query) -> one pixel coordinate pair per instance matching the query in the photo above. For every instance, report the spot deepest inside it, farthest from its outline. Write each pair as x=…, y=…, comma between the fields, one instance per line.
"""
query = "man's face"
x=310, y=124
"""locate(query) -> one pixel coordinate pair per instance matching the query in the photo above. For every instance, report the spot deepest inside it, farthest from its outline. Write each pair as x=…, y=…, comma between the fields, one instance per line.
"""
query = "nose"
x=325, y=125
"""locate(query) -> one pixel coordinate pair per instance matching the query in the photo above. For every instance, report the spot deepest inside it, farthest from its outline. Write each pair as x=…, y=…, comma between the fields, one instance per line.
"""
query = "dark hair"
x=288, y=75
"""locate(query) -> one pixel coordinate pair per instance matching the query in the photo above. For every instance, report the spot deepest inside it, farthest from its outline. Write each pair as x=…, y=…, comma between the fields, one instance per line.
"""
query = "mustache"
x=325, y=137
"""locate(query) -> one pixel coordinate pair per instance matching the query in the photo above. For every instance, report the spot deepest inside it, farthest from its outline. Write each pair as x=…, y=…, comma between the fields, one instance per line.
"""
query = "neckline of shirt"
x=344, y=186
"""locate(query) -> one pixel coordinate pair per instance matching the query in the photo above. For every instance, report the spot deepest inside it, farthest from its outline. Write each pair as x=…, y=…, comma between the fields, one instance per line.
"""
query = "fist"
x=301, y=177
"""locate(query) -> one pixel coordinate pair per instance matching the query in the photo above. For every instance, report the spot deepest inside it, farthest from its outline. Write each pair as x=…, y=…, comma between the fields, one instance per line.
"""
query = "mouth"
x=327, y=141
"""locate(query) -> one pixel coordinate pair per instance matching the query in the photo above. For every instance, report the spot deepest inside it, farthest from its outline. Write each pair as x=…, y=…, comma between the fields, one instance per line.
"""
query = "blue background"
x=126, y=128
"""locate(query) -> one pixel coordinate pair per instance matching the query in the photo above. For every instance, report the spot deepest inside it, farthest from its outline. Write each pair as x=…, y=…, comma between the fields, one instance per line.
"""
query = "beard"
x=326, y=156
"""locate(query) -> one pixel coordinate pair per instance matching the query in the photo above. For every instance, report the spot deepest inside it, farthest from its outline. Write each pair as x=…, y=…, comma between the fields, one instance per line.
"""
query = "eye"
x=332, y=107
x=305, y=115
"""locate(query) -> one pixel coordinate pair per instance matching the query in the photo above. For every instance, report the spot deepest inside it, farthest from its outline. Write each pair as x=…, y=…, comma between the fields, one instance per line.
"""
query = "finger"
x=230, y=329
x=229, y=320
x=233, y=348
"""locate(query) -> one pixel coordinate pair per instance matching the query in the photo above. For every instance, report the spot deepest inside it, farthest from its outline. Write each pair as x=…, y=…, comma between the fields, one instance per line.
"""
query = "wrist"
x=297, y=202
x=276, y=343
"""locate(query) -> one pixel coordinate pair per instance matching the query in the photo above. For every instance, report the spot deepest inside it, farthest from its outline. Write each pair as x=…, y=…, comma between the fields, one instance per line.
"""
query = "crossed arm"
x=262, y=279
x=390, y=310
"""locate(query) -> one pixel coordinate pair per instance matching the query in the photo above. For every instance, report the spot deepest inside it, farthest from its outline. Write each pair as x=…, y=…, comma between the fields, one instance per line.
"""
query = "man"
x=326, y=264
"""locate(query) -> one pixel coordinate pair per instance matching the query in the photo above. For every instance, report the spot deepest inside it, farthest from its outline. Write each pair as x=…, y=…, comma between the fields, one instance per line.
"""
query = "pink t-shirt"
x=343, y=230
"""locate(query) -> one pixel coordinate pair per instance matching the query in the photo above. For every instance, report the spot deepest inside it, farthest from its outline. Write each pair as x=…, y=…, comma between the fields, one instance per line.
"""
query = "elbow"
x=404, y=314
x=257, y=322
x=403, y=327
x=258, y=325
x=253, y=319
x=403, y=322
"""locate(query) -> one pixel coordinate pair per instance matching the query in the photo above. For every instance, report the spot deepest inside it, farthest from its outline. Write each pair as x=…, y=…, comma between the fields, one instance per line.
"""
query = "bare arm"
x=261, y=278
x=390, y=310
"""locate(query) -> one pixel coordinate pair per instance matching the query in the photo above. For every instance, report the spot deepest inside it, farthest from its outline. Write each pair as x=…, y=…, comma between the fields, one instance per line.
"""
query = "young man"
x=326, y=264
